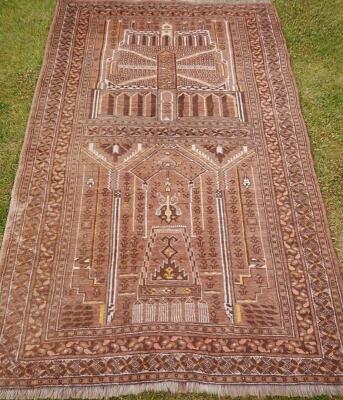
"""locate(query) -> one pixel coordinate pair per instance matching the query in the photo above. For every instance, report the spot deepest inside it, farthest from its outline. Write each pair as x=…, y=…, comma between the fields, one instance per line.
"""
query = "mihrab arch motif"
x=181, y=239
x=175, y=225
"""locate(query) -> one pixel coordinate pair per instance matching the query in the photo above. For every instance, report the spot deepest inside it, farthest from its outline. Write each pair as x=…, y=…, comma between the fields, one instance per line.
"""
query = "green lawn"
x=314, y=34
x=313, y=29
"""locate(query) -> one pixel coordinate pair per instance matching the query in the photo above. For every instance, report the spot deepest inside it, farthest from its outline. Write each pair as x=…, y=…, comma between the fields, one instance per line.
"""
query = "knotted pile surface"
x=166, y=230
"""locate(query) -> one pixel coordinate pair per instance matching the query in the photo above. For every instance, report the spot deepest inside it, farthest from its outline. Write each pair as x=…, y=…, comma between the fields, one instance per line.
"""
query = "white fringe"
x=220, y=1
x=209, y=2
x=234, y=390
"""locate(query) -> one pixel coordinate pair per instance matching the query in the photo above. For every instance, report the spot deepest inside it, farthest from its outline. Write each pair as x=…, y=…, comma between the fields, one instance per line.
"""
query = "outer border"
x=105, y=391
x=27, y=138
x=310, y=159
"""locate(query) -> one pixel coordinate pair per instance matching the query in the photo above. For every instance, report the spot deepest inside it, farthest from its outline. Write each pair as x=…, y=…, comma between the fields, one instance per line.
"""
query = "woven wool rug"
x=166, y=230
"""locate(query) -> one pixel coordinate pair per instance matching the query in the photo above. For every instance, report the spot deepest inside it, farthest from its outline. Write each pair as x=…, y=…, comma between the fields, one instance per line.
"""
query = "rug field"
x=166, y=230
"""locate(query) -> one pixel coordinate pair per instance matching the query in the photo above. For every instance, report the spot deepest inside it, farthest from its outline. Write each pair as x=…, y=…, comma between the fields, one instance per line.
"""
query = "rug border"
x=4, y=243
x=336, y=265
x=105, y=391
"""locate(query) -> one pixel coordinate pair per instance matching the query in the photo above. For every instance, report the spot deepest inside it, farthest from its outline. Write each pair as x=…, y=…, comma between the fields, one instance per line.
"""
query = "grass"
x=24, y=26
x=315, y=40
x=313, y=29
x=314, y=36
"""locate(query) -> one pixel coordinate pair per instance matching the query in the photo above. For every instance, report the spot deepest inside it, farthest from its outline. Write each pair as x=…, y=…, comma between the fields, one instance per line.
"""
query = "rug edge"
x=27, y=136
x=106, y=391
x=209, y=2
x=113, y=390
x=336, y=265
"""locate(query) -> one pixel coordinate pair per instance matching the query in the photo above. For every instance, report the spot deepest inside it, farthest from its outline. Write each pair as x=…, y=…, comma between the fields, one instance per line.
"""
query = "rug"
x=166, y=230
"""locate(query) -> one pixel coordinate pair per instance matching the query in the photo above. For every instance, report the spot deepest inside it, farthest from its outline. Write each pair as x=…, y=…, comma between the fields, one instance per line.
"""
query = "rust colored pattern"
x=166, y=224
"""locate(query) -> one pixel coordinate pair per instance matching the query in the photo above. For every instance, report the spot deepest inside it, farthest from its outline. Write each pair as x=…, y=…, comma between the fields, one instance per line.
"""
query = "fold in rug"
x=166, y=230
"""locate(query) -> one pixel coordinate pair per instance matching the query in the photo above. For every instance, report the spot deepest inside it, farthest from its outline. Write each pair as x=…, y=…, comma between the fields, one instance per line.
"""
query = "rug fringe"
x=217, y=1
x=209, y=2
x=111, y=390
x=222, y=1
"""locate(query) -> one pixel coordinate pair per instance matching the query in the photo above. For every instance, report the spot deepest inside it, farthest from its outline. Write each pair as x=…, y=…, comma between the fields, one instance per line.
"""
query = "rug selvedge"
x=168, y=225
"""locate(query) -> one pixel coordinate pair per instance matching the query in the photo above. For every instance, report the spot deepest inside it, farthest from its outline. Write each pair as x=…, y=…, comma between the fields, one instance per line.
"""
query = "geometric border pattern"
x=30, y=245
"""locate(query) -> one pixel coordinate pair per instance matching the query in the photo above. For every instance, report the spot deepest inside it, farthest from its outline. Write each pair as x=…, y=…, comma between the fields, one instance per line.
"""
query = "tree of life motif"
x=166, y=74
x=189, y=211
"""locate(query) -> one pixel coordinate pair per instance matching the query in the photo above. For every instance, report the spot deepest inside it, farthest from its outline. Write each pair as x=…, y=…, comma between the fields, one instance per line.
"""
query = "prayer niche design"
x=170, y=233
x=166, y=224
x=167, y=72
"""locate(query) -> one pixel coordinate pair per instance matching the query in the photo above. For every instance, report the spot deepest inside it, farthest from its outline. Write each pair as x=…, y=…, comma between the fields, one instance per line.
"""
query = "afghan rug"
x=166, y=230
